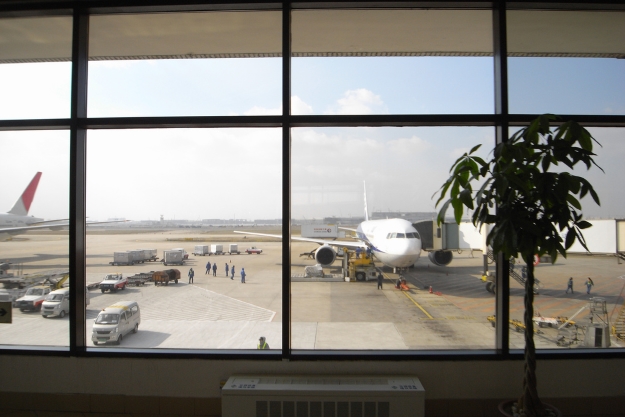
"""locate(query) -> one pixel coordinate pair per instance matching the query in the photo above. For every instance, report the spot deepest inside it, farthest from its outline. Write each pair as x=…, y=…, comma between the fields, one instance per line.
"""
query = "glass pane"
x=566, y=62
x=35, y=67
x=185, y=64
x=590, y=313
x=401, y=169
x=34, y=254
x=392, y=62
x=174, y=194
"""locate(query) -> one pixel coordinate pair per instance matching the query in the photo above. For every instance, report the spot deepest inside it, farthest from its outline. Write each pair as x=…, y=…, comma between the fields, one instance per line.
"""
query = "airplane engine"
x=325, y=255
x=441, y=257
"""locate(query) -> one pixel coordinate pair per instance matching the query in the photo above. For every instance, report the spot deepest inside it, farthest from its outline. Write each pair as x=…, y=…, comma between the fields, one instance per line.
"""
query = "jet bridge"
x=439, y=241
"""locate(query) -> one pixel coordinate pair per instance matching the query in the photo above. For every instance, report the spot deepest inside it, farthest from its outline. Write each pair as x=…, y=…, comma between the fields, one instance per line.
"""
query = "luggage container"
x=149, y=255
x=201, y=250
x=122, y=258
x=173, y=257
x=217, y=249
x=185, y=255
x=233, y=248
x=137, y=256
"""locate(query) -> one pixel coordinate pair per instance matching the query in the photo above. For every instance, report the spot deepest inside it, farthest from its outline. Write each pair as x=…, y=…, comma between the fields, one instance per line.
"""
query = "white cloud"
x=360, y=101
x=298, y=106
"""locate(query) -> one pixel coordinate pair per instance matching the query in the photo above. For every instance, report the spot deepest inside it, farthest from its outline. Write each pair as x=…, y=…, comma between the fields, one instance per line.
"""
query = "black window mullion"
x=77, y=207
x=502, y=276
x=286, y=180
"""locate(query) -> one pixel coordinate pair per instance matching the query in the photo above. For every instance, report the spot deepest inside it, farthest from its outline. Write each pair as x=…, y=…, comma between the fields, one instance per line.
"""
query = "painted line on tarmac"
x=417, y=304
x=409, y=297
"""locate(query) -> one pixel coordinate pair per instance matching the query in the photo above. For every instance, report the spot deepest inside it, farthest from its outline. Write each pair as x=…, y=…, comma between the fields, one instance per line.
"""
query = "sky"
x=236, y=173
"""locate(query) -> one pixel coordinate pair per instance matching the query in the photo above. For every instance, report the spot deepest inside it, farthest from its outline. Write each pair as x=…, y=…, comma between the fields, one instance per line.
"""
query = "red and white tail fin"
x=22, y=205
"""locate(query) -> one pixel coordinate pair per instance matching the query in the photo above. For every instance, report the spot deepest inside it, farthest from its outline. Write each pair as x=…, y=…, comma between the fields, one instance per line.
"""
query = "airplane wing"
x=339, y=243
x=49, y=221
x=45, y=225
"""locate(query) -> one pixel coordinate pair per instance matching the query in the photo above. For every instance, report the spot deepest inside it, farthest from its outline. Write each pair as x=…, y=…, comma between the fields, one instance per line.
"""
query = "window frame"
x=78, y=124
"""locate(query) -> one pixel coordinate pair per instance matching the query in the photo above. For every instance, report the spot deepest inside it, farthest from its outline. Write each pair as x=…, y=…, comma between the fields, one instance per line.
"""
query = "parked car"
x=253, y=249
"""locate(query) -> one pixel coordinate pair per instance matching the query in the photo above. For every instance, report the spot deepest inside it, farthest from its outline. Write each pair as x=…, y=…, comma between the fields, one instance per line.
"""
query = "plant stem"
x=529, y=401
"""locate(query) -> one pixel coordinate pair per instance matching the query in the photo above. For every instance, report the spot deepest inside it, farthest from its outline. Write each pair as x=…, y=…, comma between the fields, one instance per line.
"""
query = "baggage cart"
x=163, y=277
x=140, y=279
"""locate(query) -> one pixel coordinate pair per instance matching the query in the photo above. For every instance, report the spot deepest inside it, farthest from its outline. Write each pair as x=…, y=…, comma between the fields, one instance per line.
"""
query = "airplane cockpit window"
x=401, y=235
x=412, y=235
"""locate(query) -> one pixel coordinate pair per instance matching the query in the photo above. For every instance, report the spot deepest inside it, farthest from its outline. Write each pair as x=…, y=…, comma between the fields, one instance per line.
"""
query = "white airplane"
x=394, y=242
x=17, y=221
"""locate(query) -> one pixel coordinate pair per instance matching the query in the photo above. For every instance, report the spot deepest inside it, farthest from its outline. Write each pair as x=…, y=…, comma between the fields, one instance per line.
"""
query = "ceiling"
x=233, y=34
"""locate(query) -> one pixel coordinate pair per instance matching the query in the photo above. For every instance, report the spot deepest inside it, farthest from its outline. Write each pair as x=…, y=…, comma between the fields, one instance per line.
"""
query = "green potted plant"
x=531, y=199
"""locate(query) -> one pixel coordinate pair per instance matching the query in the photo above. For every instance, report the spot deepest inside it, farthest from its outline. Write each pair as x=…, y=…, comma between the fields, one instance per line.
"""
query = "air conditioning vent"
x=322, y=396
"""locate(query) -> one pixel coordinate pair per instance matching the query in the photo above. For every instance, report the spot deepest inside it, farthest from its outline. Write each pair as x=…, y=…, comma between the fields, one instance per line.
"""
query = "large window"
x=181, y=146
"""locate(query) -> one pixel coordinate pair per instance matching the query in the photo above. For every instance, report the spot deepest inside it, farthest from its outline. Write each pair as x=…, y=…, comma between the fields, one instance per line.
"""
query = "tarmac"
x=216, y=313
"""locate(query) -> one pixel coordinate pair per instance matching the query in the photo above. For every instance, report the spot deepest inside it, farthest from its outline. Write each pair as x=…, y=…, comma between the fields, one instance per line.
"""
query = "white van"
x=56, y=303
x=116, y=321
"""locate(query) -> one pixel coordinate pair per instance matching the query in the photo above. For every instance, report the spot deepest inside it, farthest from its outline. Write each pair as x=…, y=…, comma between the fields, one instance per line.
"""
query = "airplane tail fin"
x=366, y=210
x=22, y=205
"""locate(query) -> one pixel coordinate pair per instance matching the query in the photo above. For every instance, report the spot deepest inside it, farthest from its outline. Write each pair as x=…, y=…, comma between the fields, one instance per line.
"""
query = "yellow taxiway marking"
x=410, y=298
x=417, y=304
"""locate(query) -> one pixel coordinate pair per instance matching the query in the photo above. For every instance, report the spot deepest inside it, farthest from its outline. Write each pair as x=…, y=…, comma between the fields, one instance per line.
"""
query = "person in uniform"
x=262, y=343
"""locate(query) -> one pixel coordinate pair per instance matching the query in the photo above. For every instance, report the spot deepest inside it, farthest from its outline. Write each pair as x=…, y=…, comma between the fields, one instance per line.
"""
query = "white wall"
x=600, y=238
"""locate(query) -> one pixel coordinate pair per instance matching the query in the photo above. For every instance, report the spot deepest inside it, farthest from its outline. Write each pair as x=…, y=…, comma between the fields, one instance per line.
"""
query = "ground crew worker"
x=368, y=252
x=243, y=275
x=226, y=269
x=589, y=284
x=569, y=286
x=191, y=273
x=215, y=269
x=208, y=267
x=358, y=253
x=262, y=344
x=232, y=272
x=380, y=279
